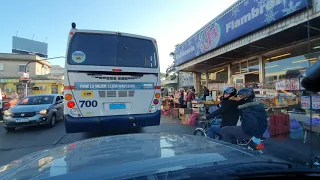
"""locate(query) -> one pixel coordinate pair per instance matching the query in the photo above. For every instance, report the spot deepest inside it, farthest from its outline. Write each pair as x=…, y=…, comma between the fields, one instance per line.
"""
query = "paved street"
x=27, y=140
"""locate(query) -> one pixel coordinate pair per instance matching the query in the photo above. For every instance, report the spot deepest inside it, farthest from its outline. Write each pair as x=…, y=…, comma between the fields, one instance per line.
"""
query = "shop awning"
x=293, y=35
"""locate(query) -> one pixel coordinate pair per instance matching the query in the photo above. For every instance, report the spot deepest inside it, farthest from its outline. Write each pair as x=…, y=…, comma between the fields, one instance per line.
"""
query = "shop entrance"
x=238, y=79
x=251, y=78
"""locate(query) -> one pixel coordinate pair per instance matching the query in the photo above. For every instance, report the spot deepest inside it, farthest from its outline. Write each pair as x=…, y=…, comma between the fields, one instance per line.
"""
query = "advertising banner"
x=244, y=18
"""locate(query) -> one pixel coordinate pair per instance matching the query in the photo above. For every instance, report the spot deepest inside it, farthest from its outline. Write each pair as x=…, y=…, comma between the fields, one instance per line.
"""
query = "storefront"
x=9, y=86
x=253, y=44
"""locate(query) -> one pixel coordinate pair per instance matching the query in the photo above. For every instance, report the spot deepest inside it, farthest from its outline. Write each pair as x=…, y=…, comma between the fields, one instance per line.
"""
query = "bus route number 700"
x=88, y=103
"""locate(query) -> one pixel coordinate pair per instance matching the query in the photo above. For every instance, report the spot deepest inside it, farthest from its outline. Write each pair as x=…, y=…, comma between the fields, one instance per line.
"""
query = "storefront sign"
x=8, y=80
x=246, y=17
x=112, y=86
x=305, y=102
x=185, y=79
x=289, y=85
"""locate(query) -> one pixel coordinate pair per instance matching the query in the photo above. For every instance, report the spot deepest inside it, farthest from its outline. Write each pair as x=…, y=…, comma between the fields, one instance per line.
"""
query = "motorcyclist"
x=253, y=118
x=228, y=111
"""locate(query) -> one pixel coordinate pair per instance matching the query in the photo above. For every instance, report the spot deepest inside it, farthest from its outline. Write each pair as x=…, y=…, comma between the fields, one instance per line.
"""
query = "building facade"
x=254, y=44
x=12, y=67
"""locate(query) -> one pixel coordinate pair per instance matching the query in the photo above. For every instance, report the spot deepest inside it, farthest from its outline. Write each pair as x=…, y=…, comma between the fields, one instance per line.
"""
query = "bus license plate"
x=117, y=106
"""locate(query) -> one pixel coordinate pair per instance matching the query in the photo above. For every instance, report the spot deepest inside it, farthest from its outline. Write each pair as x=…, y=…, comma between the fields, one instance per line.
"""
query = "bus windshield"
x=112, y=50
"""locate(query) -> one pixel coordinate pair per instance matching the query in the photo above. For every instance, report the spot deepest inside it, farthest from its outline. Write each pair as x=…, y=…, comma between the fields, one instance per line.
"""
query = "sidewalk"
x=292, y=150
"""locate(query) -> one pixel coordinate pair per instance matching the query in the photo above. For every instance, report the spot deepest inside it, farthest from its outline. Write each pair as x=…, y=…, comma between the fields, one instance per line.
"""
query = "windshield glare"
x=113, y=50
x=36, y=100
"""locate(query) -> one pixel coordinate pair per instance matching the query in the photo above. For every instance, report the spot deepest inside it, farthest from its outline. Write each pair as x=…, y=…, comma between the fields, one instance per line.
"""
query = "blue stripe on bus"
x=105, y=123
x=113, y=86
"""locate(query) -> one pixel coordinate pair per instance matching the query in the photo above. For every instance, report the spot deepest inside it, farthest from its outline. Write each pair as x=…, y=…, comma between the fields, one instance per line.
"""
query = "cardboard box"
x=185, y=111
x=176, y=113
x=185, y=119
x=196, y=110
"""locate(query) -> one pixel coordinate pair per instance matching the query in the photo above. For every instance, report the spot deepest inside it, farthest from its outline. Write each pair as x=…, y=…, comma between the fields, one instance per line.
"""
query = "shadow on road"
x=114, y=132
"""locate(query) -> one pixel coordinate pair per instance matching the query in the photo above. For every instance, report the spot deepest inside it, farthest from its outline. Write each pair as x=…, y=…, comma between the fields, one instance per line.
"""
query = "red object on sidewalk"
x=279, y=125
x=193, y=119
x=260, y=146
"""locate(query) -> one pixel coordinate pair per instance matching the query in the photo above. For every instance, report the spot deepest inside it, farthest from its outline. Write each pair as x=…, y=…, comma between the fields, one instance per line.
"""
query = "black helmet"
x=230, y=90
x=247, y=93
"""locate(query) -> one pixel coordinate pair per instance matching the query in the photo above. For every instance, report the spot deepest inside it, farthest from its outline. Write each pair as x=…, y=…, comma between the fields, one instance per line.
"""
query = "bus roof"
x=111, y=32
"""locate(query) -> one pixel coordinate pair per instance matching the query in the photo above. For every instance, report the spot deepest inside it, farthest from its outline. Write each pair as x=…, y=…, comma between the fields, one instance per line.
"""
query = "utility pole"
x=26, y=68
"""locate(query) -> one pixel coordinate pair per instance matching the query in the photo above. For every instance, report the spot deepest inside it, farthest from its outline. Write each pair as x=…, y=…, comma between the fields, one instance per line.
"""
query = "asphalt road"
x=23, y=141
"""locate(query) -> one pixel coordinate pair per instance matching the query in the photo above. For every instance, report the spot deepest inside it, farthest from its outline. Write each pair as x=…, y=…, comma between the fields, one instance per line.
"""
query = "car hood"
x=29, y=108
x=127, y=154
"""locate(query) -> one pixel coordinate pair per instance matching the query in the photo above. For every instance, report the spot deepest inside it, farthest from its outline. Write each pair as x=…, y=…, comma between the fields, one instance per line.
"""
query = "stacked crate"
x=184, y=115
x=279, y=125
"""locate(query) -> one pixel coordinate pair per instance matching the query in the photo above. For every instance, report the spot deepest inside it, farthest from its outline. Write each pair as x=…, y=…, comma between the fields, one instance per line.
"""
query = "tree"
x=162, y=75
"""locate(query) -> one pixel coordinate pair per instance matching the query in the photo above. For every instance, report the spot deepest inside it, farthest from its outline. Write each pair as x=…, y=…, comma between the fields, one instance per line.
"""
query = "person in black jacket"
x=228, y=110
x=253, y=118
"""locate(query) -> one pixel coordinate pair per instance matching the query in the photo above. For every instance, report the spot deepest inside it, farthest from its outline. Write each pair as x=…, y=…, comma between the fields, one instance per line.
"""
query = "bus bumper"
x=105, y=123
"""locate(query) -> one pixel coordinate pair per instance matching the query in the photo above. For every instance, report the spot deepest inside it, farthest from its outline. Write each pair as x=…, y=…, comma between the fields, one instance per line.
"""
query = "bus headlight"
x=74, y=112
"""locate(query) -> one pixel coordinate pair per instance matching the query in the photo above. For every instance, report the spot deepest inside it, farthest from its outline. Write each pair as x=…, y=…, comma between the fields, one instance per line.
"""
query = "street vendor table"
x=302, y=118
x=277, y=109
x=208, y=104
x=167, y=103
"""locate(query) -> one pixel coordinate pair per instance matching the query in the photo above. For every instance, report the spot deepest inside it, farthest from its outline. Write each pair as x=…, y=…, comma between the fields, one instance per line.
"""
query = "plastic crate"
x=279, y=124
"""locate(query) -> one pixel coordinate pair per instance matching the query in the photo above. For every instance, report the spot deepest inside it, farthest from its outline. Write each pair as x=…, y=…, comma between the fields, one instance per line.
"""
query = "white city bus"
x=112, y=81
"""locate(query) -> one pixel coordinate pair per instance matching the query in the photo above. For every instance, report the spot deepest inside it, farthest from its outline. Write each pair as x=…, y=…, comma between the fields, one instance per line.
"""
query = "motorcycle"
x=204, y=125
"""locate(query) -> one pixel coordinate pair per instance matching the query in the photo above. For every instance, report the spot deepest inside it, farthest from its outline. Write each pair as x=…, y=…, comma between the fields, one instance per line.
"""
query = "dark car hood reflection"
x=141, y=151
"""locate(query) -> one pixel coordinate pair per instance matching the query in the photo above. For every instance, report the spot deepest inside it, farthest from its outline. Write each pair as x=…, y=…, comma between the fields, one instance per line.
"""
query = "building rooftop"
x=24, y=57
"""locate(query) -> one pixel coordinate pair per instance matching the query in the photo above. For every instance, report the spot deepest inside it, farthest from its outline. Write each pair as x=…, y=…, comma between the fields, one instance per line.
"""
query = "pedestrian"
x=14, y=95
x=253, y=117
x=191, y=96
x=205, y=92
x=181, y=99
x=228, y=110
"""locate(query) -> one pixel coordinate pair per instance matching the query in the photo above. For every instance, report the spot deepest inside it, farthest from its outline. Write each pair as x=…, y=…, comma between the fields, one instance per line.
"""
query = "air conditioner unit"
x=42, y=87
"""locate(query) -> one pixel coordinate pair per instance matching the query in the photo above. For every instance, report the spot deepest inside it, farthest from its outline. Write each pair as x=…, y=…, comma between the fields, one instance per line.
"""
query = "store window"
x=219, y=75
x=244, y=67
x=235, y=69
x=276, y=68
x=253, y=65
x=22, y=68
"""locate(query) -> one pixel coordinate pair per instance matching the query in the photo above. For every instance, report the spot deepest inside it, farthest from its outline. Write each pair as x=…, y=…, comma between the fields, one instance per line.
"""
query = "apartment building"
x=12, y=66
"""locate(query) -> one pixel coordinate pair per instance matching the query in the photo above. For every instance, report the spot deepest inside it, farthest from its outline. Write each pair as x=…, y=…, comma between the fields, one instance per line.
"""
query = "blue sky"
x=168, y=21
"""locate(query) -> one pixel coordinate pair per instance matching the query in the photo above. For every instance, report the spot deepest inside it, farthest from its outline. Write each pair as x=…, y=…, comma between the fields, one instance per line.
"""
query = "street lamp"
x=25, y=70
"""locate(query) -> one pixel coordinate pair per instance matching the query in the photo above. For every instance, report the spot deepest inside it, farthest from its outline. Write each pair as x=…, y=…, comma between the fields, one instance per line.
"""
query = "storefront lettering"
x=88, y=86
x=305, y=102
x=183, y=53
x=255, y=12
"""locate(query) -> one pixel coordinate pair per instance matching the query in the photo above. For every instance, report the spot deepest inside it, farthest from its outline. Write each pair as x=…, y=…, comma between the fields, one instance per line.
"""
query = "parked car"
x=34, y=110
